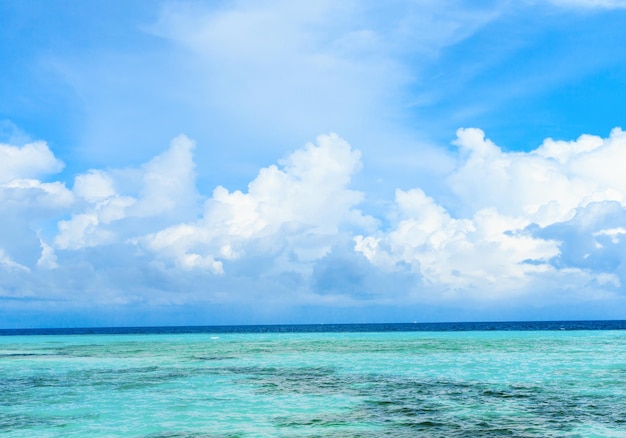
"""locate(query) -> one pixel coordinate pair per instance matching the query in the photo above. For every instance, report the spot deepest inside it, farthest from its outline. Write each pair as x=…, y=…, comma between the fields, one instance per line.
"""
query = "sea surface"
x=558, y=379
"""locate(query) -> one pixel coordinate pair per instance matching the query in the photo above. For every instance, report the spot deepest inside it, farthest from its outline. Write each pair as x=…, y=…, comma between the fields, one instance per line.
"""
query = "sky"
x=279, y=161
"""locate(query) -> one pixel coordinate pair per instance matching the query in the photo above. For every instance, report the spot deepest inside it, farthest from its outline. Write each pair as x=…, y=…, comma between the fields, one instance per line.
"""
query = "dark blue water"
x=332, y=328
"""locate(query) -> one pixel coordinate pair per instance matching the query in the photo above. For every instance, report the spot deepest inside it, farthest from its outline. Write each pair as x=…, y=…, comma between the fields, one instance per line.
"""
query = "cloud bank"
x=543, y=228
x=500, y=243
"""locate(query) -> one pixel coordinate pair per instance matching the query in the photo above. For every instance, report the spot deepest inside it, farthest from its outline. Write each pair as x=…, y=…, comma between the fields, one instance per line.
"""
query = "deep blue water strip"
x=331, y=328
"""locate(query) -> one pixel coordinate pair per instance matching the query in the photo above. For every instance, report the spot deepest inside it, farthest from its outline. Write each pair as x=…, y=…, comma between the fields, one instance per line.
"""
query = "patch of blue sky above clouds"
x=277, y=161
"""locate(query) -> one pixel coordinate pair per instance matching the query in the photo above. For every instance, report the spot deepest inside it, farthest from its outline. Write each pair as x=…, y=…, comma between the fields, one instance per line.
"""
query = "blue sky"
x=228, y=162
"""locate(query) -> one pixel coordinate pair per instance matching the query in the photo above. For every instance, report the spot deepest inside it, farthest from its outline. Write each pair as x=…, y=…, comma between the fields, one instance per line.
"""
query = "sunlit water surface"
x=440, y=384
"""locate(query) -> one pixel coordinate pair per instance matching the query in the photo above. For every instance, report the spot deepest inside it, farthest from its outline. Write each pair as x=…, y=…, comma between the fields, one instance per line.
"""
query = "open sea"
x=534, y=379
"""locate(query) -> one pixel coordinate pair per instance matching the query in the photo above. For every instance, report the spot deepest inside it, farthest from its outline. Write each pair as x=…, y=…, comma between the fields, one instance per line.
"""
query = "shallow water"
x=476, y=383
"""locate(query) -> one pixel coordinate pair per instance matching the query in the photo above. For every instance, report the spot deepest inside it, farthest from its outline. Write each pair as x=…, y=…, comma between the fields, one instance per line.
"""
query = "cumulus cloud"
x=26, y=201
x=164, y=188
x=94, y=186
x=32, y=160
x=301, y=206
x=486, y=250
x=168, y=181
x=545, y=185
x=544, y=227
x=493, y=244
x=21, y=168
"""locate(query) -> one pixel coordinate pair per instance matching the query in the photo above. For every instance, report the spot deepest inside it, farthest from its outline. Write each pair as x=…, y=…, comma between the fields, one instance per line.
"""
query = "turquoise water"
x=551, y=383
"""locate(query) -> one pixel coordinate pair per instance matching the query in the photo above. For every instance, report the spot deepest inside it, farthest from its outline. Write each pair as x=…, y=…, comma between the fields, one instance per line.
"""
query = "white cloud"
x=94, y=186
x=27, y=203
x=29, y=161
x=473, y=253
x=501, y=195
x=168, y=181
x=545, y=185
x=20, y=168
x=163, y=188
x=520, y=220
x=81, y=231
x=34, y=194
x=48, y=259
x=301, y=206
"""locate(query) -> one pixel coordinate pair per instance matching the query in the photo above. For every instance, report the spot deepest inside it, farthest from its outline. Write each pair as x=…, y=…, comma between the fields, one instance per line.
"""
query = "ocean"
x=557, y=379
